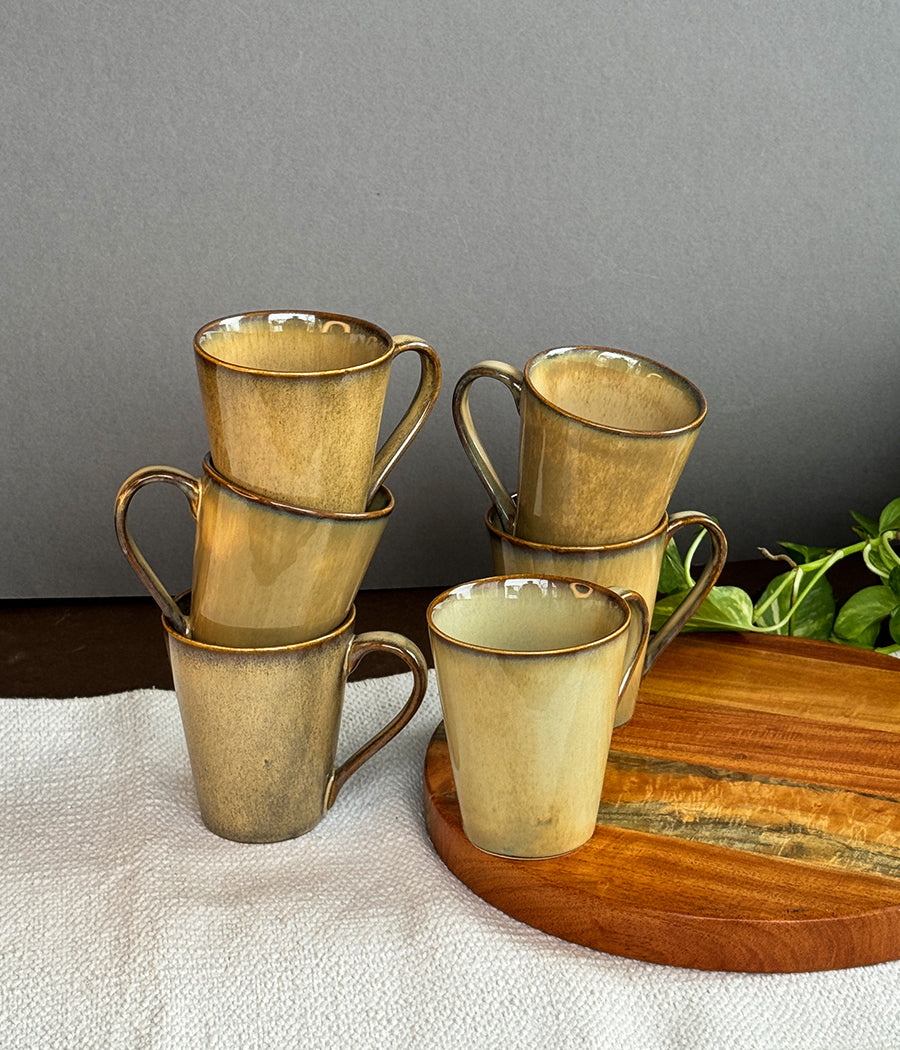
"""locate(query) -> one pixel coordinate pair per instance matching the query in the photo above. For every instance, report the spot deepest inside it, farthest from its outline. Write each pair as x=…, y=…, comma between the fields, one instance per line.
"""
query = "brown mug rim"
x=529, y=653
x=307, y=512
x=184, y=603
x=342, y=318
x=683, y=381
x=620, y=545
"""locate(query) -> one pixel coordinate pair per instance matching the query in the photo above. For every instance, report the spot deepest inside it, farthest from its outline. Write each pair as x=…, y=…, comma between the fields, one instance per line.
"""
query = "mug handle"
x=190, y=486
x=411, y=655
x=512, y=378
x=416, y=414
x=701, y=588
x=638, y=607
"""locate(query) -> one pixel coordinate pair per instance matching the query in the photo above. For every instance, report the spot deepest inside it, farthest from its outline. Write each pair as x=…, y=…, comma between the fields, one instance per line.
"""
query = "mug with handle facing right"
x=603, y=438
x=293, y=401
x=633, y=564
x=262, y=725
x=530, y=669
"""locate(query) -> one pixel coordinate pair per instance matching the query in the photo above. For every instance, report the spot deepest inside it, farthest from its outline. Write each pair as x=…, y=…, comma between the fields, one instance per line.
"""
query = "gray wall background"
x=712, y=184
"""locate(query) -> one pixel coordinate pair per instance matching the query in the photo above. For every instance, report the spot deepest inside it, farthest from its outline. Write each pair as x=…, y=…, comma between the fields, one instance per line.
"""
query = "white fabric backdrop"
x=125, y=923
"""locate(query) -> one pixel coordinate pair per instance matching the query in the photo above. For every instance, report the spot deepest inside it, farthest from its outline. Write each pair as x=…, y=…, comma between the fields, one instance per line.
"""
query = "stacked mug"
x=289, y=507
x=603, y=438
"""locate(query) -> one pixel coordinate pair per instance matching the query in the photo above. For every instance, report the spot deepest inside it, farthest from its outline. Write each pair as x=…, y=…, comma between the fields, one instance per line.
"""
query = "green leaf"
x=867, y=528
x=865, y=640
x=805, y=554
x=723, y=609
x=813, y=616
x=863, y=611
x=779, y=607
x=893, y=581
x=672, y=576
x=889, y=520
x=894, y=624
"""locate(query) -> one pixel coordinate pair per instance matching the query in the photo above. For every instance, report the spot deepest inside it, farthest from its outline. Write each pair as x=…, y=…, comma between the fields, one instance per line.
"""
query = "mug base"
x=529, y=856
x=257, y=835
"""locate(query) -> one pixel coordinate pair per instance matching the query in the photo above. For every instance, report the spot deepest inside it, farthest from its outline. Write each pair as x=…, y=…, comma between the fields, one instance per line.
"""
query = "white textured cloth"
x=125, y=923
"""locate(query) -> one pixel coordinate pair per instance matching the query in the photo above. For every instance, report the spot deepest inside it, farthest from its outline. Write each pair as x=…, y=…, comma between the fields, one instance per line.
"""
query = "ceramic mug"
x=603, y=438
x=530, y=670
x=293, y=402
x=264, y=573
x=634, y=564
x=262, y=725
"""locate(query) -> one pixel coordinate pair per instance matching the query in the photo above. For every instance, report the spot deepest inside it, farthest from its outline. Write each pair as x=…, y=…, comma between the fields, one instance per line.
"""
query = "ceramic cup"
x=530, y=670
x=603, y=438
x=634, y=564
x=261, y=726
x=264, y=573
x=293, y=403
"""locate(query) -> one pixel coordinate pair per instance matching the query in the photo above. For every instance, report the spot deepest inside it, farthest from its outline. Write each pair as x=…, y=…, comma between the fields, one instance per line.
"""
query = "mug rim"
x=529, y=653
x=691, y=388
x=341, y=318
x=291, y=508
x=490, y=520
x=184, y=598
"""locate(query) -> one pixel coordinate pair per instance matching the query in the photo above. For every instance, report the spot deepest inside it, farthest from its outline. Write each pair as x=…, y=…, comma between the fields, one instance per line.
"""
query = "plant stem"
x=886, y=547
x=689, y=556
x=819, y=568
x=761, y=608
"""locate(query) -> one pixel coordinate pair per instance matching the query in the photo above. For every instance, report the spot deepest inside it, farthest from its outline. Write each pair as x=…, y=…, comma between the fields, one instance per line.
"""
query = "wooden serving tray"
x=750, y=817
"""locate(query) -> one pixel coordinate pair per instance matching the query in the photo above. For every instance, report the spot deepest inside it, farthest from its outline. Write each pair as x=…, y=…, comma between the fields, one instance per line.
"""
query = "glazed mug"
x=261, y=726
x=634, y=564
x=530, y=669
x=293, y=402
x=603, y=438
x=264, y=573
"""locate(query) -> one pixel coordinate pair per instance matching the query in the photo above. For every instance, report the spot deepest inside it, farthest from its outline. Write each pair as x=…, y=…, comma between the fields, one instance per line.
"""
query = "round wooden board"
x=750, y=817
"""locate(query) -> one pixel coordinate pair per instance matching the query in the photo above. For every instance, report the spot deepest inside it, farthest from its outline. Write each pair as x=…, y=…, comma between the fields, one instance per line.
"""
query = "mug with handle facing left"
x=264, y=573
x=603, y=438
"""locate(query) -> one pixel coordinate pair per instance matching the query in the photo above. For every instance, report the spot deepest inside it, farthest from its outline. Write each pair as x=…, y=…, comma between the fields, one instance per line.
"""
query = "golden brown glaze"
x=632, y=563
x=529, y=671
x=264, y=573
x=262, y=725
x=293, y=403
x=603, y=438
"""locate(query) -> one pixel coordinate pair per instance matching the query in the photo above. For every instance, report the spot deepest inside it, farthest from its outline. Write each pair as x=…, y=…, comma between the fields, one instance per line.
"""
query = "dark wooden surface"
x=91, y=647
x=750, y=817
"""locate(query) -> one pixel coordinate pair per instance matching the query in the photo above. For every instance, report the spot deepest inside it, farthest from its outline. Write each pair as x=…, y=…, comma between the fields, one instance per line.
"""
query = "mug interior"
x=292, y=341
x=528, y=614
x=614, y=389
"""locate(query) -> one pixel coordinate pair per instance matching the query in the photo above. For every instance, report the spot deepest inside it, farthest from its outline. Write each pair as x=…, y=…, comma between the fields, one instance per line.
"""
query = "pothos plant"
x=800, y=601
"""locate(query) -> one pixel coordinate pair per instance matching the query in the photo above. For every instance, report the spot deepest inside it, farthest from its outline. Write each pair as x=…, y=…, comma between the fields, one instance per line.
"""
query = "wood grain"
x=750, y=817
